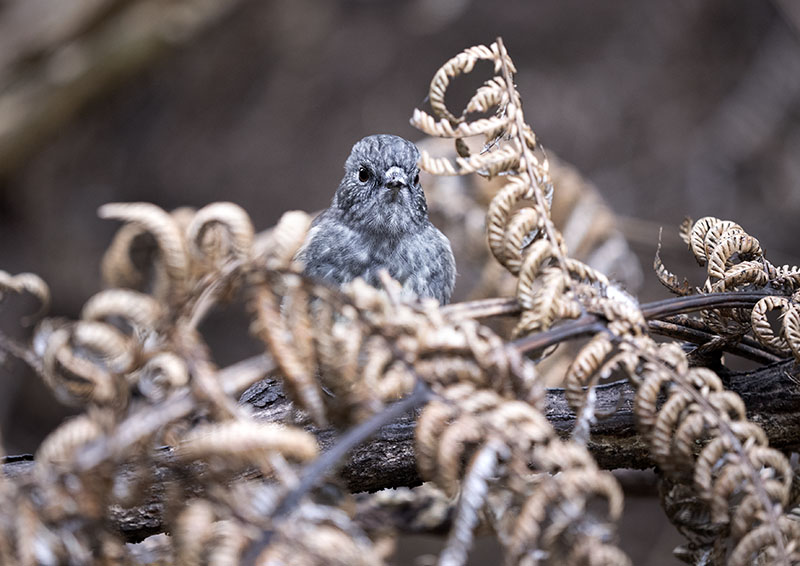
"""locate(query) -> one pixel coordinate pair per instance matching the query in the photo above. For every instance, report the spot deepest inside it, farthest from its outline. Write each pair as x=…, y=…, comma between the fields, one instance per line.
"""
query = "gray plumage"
x=378, y=219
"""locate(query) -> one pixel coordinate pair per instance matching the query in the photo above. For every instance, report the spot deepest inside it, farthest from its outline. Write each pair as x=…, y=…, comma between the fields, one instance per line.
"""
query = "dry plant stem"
x=677, y=305
x=585, y=325
x=690, y=323
x=520, y=123
x=485, y=308
x=473, y=494
x=588, y=323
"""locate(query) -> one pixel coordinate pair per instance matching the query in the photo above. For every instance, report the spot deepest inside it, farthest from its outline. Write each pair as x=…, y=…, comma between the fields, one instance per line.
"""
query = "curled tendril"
x=219, y=229
x=29, y=283
x=281, y=244
x=60, y=446
x=82, y=364
x=168, y=236
x=161, y=374
x=137, y=310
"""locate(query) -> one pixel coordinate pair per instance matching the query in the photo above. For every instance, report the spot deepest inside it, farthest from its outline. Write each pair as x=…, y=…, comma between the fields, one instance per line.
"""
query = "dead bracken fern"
x=516, y=464
x=521, y=234
x=160, y=420
x=697, y=410
x=735, y=262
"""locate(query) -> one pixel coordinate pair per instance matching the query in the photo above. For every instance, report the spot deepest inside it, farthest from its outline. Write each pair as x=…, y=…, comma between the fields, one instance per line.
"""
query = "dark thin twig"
x=688, y=334
x=485, y=308
x=583, y=326
x=697, y=324
x=538, y=193
x=677, y=305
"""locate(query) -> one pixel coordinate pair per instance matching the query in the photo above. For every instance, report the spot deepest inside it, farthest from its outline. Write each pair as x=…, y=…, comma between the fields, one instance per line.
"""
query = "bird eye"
x=416, y=179
x=363, y=174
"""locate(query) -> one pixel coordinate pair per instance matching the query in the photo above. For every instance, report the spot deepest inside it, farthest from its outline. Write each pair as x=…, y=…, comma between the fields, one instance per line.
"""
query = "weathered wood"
x=771, y=393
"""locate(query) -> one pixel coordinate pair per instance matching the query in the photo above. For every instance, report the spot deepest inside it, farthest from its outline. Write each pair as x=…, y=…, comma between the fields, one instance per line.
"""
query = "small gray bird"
x=378, y=219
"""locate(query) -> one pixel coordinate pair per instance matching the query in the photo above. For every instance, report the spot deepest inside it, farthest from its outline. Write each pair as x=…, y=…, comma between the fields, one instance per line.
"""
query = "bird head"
x=380, y=190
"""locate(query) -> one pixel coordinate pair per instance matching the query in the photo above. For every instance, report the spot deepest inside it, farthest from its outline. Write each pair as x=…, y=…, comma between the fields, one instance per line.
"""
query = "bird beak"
x=395, y=178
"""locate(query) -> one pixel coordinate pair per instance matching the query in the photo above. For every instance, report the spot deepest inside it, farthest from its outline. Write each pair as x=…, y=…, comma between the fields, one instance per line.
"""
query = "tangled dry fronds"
x=522, y=473
x=698, y=411
x=735, y=262
x=160, y=419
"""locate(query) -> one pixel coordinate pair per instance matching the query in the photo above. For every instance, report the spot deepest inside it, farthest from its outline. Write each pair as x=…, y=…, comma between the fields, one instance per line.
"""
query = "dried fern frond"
x=700, y=434
x=735, y=261
x=237, y=444
x=510, y=150
x=700, y=437
x=171, y=244
x=82, y=364
x=521, y=235
x=667, y=278
x=513, y=456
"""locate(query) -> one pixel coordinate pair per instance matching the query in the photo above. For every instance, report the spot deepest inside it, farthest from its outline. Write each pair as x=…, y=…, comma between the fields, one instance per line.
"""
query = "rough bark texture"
x=771, y=393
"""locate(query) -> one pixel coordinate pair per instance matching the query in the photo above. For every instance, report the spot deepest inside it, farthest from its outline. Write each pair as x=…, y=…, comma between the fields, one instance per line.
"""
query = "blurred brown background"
x=670, y=108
